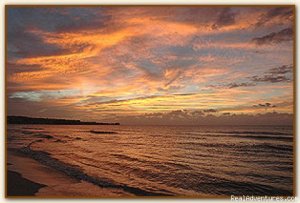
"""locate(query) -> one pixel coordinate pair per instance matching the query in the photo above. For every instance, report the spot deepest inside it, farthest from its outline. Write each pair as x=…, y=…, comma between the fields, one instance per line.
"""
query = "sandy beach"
x=27, y=178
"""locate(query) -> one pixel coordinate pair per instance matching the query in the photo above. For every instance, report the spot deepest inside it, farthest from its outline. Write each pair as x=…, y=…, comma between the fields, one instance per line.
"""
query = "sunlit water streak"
x=167, y=160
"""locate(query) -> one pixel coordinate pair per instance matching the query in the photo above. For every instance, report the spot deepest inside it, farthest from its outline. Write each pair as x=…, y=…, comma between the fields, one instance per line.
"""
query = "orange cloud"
x=146, y=61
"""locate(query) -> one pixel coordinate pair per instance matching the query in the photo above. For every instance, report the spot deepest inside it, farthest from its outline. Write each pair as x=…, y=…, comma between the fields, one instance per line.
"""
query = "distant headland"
x=50, y=121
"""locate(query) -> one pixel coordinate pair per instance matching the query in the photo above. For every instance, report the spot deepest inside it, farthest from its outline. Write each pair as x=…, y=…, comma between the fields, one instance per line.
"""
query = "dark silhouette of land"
x=19, y=186
x=50, y=121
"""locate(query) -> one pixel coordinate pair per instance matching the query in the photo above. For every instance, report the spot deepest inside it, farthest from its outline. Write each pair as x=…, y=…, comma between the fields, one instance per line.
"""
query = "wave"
x=269, y=138
x=273, y=147
x=31, y=128
x=102, y=132
x=37, y=134
x=258, y=136
x=76, y=173
x=253, y=132
x=28, y=132
x=231, y=187
x=167, y=165
x=245, y=147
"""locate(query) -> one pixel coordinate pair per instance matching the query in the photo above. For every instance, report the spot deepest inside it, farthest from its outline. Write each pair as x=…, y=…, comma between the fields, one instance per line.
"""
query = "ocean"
x=195, y=161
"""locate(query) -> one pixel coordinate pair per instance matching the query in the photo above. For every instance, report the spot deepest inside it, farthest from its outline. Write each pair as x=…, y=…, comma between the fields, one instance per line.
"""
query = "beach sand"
x=27, y=177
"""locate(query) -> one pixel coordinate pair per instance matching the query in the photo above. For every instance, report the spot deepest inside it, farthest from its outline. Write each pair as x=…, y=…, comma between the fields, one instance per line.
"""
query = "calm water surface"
x=166, y=160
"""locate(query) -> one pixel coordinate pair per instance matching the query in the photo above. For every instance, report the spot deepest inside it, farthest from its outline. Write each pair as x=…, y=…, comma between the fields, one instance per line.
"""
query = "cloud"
x=243, y=84
x=109, y=100
x=187, y=117
x=234, y=85
x=275, y=37
x=210, y=110
x=125, y=61
x=226, y=114
x=43, y=95
x=26, y=44
x=270, y=78
x=225, y=18
x=281, y=70
x=281, y=14
x=173, y=77
x=265, y=105
x=275, y=75
x=21, y=21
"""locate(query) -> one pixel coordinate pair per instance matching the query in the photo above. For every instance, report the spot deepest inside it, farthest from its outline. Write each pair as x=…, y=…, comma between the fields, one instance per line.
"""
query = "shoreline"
x=27, y=177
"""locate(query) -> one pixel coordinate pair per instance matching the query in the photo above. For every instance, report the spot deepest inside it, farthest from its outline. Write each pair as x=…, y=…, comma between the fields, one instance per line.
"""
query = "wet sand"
x=27, y=177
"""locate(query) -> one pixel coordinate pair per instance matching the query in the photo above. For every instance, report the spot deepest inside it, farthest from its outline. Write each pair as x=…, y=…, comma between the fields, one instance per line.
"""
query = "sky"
x=181, y=65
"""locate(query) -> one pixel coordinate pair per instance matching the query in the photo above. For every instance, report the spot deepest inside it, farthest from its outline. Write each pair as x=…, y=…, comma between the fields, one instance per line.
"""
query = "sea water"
x=166, y=160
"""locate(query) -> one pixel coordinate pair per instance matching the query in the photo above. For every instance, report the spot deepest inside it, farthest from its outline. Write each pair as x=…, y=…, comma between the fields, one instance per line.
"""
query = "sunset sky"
x=135, y=65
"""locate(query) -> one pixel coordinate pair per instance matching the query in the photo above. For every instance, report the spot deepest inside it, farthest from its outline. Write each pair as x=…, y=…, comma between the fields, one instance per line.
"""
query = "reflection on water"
x=168, y=160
